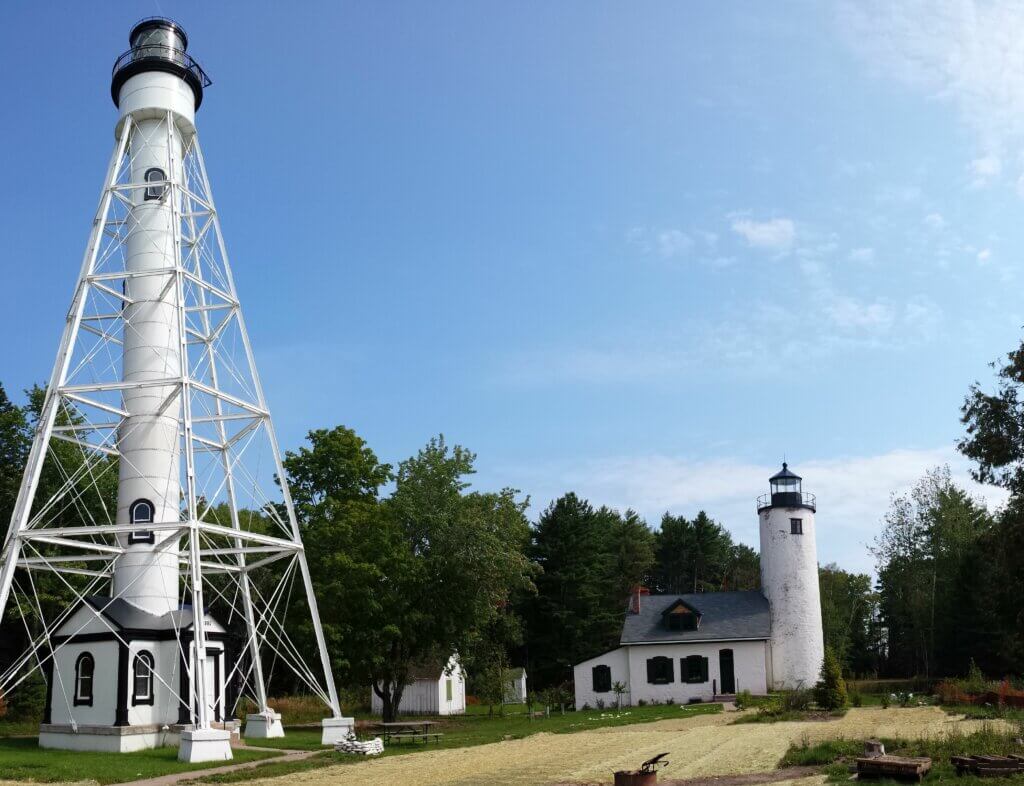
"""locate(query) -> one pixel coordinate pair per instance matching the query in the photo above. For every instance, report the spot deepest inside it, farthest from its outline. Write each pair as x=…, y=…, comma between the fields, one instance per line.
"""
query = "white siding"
x=430, y=696
x=104, y=686
x=628, y=665
x=618, y=662
x=749, y=667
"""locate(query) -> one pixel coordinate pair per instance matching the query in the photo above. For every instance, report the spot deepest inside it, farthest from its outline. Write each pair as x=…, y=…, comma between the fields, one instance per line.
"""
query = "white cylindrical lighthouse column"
x=149, y=489
x=789, y=580
x=157, y=88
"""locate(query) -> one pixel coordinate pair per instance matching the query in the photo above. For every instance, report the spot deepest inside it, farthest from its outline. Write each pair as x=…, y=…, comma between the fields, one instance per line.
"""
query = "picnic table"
x=415, y=730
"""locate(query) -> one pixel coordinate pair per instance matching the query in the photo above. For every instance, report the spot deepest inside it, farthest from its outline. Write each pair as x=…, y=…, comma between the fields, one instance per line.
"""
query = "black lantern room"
x=786, y=491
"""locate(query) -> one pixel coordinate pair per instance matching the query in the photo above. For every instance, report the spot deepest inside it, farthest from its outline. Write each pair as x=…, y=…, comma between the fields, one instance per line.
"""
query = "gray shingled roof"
x=724, y=615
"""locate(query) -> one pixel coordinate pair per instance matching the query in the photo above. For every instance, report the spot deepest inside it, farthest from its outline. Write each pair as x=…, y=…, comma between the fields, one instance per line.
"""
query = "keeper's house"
x=684, y=648
x=710, y=645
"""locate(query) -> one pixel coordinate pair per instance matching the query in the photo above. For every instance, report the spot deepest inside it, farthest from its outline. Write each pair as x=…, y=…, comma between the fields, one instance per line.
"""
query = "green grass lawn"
x=21, y=759
x=472, y=729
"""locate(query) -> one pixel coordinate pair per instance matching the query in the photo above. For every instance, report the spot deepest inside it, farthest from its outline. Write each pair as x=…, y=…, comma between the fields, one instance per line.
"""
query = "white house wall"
x=167, y=659
x=628, y=665
x=749, y=667
x=104, y=685
x=457, y=706
x=618, y=662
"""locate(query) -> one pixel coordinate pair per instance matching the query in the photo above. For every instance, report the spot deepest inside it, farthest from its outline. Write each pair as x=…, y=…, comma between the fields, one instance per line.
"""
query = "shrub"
x=642, y=703
x=600, y=704
x=28, y=701
x=744, y=700
x=885, y=701
x=856, y=699
x=670, y=701
x=797, y=700
x=830, y=692
x=975, y=682
x=585, y=707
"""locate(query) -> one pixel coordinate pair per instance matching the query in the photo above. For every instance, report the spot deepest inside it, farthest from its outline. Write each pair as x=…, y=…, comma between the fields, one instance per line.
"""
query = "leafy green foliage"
x=411, y=578
x=847, y=606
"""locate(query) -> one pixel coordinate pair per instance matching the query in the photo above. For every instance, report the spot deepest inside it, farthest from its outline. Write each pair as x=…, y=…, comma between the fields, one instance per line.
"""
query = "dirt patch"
x=787, y=775
x=701, y=749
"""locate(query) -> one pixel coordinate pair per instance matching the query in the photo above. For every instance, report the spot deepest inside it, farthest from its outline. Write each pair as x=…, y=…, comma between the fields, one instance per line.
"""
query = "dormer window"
x=141, y=512
x=681, y=616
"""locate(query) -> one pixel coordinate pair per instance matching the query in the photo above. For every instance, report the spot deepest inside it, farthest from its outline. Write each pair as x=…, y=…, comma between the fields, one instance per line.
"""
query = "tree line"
x=411, y=563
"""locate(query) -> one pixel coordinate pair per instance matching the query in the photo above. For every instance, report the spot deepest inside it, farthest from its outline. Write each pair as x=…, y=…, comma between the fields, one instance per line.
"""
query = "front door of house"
x=725, y=669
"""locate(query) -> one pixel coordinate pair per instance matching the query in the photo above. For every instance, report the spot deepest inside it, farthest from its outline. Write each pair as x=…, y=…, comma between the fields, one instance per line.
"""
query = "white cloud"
x=673, y=243
x=852, y=492
x=964, y=52
x=934, y=221
x=775, y=234
x=862, y=255
x=849, y=313
x=984, y=255
x=984, y=170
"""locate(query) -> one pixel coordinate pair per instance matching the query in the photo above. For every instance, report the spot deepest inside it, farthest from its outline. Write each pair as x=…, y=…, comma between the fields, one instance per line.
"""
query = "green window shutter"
x=704, y=670
x=652, y=674
x=684, y=671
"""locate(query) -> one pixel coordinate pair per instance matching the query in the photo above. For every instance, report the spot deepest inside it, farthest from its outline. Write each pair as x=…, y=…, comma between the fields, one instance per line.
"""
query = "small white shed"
x=435, y=689
x=515, y=688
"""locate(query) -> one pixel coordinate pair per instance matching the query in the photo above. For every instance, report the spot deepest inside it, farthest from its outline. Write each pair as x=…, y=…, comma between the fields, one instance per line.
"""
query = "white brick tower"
x=789, y=579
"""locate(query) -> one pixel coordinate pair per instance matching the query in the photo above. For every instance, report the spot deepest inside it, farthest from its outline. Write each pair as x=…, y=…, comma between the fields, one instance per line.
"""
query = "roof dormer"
x=681, y=616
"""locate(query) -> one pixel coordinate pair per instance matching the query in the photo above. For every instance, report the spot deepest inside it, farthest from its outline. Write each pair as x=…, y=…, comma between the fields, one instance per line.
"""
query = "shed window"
x=85, y=669
x=142, y=684
x=155, y=175
x=796, y=526
x=448, y=690
x=659, y=671
x=141, y=512
x=693, y=669
x=602, y=678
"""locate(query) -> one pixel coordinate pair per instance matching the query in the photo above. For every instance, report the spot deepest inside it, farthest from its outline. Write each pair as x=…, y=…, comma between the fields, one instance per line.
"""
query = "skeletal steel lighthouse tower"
x=171, y=525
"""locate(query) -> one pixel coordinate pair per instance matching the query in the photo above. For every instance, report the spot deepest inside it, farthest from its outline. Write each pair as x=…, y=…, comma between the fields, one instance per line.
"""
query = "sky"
x=639, y=254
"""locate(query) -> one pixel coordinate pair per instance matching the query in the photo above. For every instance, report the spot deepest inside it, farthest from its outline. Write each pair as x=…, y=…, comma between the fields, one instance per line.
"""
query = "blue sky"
x=641, y=255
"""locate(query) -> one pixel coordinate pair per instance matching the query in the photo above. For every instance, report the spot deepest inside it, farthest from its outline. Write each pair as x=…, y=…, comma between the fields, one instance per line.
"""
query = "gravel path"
x=698, y=747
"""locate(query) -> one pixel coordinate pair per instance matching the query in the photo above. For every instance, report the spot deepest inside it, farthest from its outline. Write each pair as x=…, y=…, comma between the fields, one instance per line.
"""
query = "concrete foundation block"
x=264, y=725
x=199, y=745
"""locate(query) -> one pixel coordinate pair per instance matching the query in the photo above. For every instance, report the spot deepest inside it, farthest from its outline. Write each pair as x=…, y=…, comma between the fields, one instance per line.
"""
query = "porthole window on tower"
x=141, y=512
x=153, y=175
x=796, y=526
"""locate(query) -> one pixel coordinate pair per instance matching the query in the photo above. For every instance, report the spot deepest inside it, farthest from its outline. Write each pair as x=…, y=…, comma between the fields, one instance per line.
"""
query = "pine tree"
x=830, y=692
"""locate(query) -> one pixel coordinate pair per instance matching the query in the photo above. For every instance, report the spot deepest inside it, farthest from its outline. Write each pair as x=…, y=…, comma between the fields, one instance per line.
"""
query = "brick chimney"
x=634, y=599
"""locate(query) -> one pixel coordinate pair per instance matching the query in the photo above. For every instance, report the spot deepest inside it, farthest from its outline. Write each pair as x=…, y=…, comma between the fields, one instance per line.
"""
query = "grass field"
x=21, y=759
x=837, y=755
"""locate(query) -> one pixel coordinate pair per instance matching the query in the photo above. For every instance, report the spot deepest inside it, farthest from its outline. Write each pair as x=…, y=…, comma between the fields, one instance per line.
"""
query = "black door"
x=726, y=671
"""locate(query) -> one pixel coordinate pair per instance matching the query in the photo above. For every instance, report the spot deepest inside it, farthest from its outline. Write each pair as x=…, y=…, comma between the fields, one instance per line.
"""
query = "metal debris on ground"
x=898, y=767
x=988, y=766
x=647, y=775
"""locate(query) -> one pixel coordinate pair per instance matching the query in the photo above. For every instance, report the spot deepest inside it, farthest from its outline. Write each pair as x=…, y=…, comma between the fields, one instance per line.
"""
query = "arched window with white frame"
x=85, y=673
x=141, y=512
x=142, y=678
